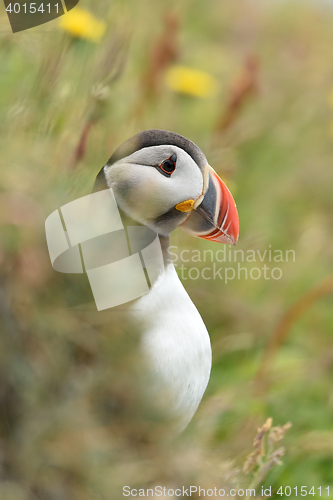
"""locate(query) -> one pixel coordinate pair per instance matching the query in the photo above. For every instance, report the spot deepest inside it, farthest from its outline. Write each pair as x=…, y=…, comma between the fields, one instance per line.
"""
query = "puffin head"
x=163, y=180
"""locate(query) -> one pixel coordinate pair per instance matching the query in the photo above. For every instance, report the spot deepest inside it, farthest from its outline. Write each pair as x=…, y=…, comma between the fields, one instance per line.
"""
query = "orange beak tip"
x=215, y=217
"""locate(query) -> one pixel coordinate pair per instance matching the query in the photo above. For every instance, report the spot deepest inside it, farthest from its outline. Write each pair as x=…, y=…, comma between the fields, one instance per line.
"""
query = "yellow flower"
x=191, y=81
x=80, y=23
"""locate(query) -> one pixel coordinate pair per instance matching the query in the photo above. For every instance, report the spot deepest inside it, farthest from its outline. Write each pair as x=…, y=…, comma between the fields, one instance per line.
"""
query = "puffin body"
x=162, y=180
x=176, y=345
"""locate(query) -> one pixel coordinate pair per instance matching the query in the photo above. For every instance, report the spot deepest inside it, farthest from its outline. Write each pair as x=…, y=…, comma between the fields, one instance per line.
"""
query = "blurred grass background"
x=265, y=123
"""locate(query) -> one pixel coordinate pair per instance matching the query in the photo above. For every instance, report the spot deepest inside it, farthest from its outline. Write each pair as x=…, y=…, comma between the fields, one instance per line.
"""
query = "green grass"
x=61, y=368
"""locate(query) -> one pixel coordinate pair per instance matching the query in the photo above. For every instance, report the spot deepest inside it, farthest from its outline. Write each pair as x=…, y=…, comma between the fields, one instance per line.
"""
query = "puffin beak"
x=214, y=214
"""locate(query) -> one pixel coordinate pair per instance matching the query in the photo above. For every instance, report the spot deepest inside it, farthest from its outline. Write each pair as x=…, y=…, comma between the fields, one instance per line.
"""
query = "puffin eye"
x=168, y=166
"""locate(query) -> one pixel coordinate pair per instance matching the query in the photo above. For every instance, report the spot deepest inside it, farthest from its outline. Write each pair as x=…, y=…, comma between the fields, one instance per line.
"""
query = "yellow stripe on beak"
x=185, y=206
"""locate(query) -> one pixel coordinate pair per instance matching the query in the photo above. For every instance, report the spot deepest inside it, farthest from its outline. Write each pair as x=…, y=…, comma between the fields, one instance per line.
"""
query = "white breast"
x=177, y=346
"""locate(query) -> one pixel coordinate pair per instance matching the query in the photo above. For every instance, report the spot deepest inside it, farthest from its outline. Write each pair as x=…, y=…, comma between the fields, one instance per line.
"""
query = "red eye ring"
x=169, y=166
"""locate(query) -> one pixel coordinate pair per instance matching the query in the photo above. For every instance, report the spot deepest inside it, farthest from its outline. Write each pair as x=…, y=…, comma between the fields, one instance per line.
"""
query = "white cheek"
x=186, y=183
x=139, y=190
x=150, y=197
x=143, y=192
x=156, y=194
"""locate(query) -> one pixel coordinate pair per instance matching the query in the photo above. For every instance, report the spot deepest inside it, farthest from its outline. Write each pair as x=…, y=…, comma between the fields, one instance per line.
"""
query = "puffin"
x=162, y=180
